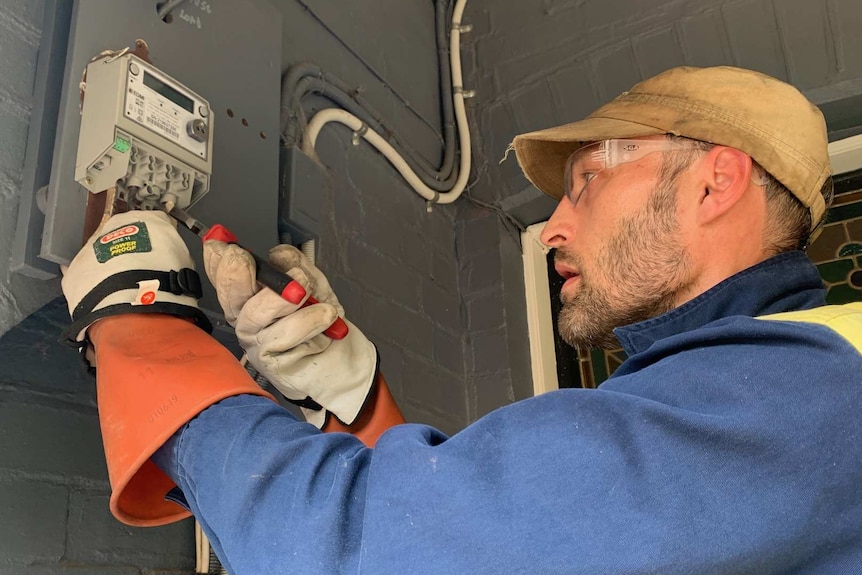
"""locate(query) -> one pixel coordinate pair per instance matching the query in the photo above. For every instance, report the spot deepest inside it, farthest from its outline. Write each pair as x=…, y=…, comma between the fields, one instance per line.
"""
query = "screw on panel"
x=198, y=130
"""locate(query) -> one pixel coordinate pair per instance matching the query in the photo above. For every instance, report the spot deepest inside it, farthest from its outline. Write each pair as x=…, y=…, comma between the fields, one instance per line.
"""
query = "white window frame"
x=543, y=358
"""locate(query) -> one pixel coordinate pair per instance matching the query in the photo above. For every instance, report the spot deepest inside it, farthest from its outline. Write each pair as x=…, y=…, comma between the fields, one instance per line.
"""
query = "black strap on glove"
x=185, y=282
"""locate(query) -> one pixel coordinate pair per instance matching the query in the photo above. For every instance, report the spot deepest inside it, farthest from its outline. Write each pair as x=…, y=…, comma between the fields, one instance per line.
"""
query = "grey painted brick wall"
x=394, y=265
x=53, y=482
x=440, y=293
x=20, y=29
x=548, y=62
x=54, y=489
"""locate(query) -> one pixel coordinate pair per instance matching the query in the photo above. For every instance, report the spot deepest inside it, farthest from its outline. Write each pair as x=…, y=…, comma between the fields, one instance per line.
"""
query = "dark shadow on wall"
x=53, y=482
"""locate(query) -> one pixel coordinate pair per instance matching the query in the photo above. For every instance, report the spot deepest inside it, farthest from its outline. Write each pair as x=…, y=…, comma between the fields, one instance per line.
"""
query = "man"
x=727, y=443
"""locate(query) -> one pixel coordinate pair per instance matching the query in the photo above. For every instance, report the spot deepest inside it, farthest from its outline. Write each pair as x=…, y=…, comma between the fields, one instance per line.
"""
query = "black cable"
x=165, y=8
x=305, y=78
x=367, y=65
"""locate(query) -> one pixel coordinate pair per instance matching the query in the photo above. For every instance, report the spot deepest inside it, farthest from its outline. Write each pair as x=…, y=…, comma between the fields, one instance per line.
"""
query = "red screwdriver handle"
x=221, y=234
x=338, y=329
x=276, y=280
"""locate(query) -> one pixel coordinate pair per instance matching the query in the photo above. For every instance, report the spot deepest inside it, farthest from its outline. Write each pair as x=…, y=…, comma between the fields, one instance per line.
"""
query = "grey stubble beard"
x=646, y=268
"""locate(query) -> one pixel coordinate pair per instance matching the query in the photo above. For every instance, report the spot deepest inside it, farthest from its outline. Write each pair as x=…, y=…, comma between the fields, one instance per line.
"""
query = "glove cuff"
x=346, y=406
x=315, y=413
x=122, y=293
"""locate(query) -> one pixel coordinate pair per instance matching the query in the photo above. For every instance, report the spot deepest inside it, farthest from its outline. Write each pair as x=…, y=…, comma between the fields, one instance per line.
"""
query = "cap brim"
x=542, y=155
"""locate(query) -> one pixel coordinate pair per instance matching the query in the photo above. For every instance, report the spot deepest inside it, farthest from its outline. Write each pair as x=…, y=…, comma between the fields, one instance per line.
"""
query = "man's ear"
x=727, y=177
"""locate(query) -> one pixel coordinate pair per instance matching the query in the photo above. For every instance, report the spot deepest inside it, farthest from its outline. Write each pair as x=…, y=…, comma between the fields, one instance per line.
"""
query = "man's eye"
x=581, y=182
x=586, y=178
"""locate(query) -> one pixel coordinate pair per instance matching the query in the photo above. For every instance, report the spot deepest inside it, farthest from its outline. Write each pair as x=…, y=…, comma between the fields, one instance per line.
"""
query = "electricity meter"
x=143, y=132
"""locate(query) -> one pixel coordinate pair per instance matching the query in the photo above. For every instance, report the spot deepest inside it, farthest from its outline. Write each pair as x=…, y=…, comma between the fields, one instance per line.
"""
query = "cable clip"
x=462, y=28
x=464, y=93
x=363, y=129
x=429, y=204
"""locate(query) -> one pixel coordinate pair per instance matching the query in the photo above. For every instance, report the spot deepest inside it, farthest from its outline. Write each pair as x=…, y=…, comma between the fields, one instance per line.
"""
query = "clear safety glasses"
x=586, y=162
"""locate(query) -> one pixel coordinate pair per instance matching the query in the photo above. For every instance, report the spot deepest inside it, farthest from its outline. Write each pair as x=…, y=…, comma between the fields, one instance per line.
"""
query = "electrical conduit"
x=360, y=129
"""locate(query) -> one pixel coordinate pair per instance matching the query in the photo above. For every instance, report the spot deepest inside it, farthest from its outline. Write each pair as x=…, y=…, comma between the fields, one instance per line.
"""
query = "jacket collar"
x=785, y=282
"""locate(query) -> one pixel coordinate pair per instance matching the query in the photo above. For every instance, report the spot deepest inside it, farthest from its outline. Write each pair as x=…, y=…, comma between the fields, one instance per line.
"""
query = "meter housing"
x=143, y=132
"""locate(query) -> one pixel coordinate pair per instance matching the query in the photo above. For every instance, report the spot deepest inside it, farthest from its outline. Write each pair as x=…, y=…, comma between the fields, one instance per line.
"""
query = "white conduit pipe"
x=360, y=129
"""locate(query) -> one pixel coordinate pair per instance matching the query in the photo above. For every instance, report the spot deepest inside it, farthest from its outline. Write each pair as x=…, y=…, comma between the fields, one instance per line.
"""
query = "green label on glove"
x=130, y=239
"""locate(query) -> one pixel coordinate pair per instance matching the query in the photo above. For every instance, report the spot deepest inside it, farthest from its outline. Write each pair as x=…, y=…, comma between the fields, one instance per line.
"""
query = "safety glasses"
x=586, y=162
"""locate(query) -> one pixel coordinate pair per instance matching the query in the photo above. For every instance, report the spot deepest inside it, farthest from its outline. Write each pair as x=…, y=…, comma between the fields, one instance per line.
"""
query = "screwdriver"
x=267, y=274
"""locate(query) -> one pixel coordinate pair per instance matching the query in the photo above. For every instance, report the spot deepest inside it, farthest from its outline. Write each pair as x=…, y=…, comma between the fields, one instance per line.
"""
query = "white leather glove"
x=136, y=263
x=284, y=341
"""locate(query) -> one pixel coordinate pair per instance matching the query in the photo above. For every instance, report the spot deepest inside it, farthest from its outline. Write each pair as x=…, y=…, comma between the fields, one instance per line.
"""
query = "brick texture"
x=54, y=440
x=20, y=33
x=96, y=538
x=441, y=293
x=34, y=517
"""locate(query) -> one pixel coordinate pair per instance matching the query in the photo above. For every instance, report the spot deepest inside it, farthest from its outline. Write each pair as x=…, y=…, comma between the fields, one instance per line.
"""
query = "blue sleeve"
x=740, y=472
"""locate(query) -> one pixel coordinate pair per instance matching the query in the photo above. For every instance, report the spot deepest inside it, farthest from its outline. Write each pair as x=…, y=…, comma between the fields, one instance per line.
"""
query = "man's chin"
x=606, y=341
x=581, y=330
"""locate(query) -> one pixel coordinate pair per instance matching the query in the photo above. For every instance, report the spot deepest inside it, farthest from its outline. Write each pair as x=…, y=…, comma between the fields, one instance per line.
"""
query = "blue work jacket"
x=726, y=443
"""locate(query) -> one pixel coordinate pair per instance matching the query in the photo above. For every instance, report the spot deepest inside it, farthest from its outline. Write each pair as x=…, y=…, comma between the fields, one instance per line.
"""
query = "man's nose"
x=560, y=227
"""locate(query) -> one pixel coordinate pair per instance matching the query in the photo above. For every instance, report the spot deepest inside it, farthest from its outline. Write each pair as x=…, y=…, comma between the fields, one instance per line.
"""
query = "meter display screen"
x=168, y=92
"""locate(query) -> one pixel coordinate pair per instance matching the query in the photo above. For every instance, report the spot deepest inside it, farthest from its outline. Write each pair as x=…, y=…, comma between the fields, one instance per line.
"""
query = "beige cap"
x=766, y=118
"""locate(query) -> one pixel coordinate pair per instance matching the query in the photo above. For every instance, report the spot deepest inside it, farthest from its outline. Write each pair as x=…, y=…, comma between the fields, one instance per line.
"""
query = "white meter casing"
x=143, y=132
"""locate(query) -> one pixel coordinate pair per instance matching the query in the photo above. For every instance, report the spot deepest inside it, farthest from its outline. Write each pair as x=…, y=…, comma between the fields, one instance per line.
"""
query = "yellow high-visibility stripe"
x=846, y=320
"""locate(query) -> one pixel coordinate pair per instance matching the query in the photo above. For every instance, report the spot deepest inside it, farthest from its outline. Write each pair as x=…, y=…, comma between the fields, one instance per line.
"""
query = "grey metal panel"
x=226, y=50
x=40, y=141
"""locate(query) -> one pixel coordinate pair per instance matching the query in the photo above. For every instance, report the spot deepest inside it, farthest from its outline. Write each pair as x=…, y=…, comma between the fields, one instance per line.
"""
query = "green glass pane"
x=597, y=360
x=842, y=293
x=616, y=358
x=827, y=244
x=613, y=363
x=845, y=212
x=850, y=250
x=835, y=272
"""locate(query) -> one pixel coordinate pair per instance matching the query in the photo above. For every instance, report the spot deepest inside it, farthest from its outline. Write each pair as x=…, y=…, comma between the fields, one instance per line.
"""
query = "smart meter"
x=143, y=132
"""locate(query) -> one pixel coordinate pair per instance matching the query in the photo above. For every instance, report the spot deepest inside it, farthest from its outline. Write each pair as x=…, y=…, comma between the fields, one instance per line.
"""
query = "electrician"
x=728, y=442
